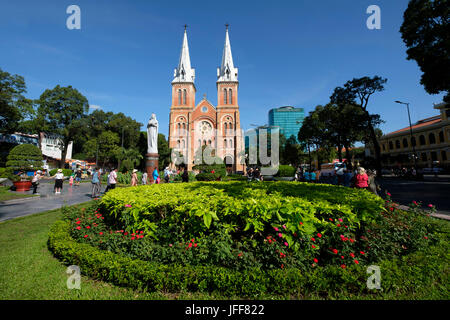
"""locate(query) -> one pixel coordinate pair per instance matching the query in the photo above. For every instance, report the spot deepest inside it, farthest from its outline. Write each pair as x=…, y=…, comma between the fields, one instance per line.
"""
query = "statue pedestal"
x=151, y=164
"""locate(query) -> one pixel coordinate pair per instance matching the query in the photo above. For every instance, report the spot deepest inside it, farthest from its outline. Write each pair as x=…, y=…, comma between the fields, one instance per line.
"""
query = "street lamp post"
x=410, y=132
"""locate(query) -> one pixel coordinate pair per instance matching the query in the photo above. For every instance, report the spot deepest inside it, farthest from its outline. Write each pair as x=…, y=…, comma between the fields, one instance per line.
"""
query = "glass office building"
x=288, y=119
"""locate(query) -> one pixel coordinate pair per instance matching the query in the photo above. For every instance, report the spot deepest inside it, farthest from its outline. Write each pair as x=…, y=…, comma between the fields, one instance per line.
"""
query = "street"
x=435, y=191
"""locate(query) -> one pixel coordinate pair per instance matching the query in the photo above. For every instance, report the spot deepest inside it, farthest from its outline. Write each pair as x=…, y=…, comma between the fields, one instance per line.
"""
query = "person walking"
x=78, y=177
x=59, y=176
x=95, y=183
x=185, y=175
x=134, y=178
x=312, y=176
x=144, y=178
x=112, y=179
x=71, y=179
x=167, y=175
x=307, y=176
x=372, y=185
x=361, y=179
x=35, y=181
x=155, y=176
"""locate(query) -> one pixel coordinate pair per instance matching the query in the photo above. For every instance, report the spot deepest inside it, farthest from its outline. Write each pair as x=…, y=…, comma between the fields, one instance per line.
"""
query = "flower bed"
x=257, y=234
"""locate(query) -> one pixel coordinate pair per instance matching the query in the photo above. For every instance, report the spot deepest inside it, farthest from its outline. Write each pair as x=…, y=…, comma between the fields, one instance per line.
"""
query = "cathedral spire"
x=227, y=71
x=184, y=72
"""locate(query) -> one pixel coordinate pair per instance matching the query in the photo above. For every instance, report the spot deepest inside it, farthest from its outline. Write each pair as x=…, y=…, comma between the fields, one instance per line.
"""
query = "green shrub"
x=285, y=171
x=25, y=157
x=207, y=176
x=423, y=274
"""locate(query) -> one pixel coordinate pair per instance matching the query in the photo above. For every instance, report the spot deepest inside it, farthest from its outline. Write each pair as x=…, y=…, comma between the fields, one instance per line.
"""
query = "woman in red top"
x=362, y=179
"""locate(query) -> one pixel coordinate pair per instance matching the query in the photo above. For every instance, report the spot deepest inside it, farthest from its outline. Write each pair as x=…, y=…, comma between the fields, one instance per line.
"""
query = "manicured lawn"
x=5, y=194
x=28, y=270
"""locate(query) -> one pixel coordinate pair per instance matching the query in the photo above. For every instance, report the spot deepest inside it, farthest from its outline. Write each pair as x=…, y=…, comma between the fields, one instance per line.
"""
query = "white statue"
x=152, y=134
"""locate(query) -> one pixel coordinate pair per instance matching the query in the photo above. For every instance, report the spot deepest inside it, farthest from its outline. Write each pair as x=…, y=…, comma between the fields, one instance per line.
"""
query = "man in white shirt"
x=112, y=179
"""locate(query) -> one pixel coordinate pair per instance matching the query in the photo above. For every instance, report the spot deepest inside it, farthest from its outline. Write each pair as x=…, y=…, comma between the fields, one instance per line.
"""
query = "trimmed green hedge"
x=423, y=274
x=285, y=171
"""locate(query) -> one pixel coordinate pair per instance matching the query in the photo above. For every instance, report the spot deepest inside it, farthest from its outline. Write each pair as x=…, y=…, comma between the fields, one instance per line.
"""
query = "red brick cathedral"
x=193, y=125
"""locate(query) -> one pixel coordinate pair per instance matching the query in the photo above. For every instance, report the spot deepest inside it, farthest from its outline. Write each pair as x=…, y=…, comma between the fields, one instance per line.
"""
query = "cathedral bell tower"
x=183, y=103
x=230, y=144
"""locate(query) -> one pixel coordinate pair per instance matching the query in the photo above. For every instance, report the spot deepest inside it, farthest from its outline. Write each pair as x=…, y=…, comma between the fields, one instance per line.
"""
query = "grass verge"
x=6, y=195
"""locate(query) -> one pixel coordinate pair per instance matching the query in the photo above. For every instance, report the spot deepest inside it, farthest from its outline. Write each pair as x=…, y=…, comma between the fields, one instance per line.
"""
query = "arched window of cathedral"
x=231, y=143
x=184, y=129
x=182, y=144
x=204, y=142
x=209, y=142
x=441, y=136
x=231, y=96
x=178, y=144
x=225, y=100
x=184, y=96
x=230, y=126
x=225, y=143
x=225, y=128
x=179, y=128
x=179, y=97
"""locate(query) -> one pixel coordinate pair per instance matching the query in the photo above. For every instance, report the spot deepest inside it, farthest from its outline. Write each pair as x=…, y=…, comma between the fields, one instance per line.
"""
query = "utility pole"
x=410, y=132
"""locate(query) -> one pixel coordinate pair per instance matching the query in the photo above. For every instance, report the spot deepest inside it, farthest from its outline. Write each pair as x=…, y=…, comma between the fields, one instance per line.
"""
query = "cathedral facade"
x=192, y=126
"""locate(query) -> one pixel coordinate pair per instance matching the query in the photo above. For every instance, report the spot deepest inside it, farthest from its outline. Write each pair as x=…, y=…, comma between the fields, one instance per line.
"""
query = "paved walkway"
x=70, y=195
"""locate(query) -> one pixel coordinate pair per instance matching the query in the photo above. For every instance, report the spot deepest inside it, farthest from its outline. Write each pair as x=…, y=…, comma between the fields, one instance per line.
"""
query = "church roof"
x=227, y=71
x=184, y=72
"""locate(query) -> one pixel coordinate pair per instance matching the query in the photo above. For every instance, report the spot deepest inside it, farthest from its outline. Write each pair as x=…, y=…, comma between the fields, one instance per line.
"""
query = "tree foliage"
x=14, y=107
x=25, y=157
x=426, y=33
x=61, y=111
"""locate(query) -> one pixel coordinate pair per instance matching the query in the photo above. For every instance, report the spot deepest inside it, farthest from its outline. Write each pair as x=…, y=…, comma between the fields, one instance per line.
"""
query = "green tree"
x=357, y=92
x=61, y=111
x=426, y=33
x=103, y=148
x=14, y=107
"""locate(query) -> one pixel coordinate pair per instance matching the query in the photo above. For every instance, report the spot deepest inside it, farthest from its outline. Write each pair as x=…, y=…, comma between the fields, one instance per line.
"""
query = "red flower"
x=315, y=260
x=342, y=257
x=132, y=238
x=282, y=266
x=195, y=245
x=280, y=235
x=352, y=240
x=86, y=236
x=343, y=266
x=100, y=233
x=362, y=252
x=319, y=235
x=125, y=234
x=312, y=239
x=330, y=219
x=78, y=228
x=335, y=251
x=78, y=222
x=340, y=220
x=356, y=261
x=425, y=237
x=87, y=227
x=301, y=223
x=391, y=208
x=192, y=240
x=388, y=194
x=284, y=226
x=239, y=254
x=275, y=228
x=338, y=224
x=430, y=206
x=352, y=255
x=190, y=244
x=313, y=246
x=286, y=244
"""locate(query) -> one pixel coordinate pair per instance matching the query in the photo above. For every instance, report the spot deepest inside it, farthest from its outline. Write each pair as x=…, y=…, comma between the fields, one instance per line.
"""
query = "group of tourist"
x=344, y=176
x=254, y=174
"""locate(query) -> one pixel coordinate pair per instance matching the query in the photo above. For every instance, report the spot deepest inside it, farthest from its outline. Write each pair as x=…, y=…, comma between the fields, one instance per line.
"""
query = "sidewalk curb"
x=435, y=215
x=12, y=201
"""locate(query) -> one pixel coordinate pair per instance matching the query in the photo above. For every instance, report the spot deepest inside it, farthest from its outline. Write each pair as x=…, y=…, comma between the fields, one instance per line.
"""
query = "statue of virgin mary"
x=152, y=135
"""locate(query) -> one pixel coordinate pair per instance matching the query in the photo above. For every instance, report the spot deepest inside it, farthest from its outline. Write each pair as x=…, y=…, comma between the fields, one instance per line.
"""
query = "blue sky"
x=288, y=53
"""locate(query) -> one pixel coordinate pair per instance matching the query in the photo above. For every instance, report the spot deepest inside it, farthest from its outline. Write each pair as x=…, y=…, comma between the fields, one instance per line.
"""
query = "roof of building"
x=419, y=124
x=227, y=71
x=184, y=72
